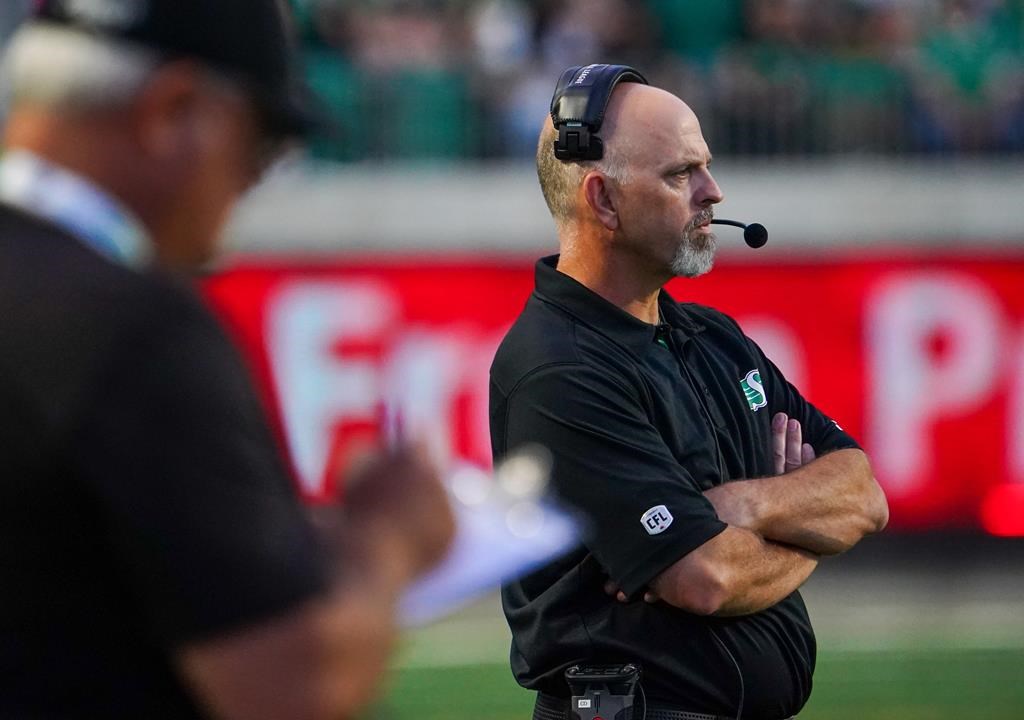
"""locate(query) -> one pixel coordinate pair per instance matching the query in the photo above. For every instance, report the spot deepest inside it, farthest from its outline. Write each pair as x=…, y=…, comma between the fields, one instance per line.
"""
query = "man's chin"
x=694, y=260
x=691, y=272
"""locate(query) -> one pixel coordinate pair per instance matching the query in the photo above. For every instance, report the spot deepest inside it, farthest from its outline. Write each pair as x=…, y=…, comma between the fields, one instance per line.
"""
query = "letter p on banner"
x=933, y=349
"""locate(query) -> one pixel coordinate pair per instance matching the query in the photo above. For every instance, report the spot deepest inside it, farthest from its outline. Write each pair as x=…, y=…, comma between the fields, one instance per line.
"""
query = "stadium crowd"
x=409, y=79
x=463, y=79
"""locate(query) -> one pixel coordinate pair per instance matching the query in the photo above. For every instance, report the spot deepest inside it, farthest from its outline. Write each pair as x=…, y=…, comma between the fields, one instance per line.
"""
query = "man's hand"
x=823, y=505
x=397, y=512
x=612, y=590
x=789, y=451
x=734, y=502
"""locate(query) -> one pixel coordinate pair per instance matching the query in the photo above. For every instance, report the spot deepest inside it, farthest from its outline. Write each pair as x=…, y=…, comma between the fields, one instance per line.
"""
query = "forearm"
x=737, y=572
x=323, y=659
x=320, y=661
x=825, y=507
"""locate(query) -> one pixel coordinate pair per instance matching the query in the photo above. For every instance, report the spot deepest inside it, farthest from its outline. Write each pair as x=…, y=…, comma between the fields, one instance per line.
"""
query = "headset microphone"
x=754, y=234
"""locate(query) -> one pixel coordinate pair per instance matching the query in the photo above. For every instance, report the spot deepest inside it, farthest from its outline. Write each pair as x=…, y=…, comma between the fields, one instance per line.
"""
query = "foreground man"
x=713, y=487
x=154, y=560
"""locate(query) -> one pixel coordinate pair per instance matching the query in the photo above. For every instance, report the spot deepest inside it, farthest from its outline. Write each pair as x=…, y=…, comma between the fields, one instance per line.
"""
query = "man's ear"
x=598, y=193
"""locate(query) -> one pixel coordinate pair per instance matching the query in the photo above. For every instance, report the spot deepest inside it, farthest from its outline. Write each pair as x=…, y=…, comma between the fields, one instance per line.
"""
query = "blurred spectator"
x=1007, y=87
x=391, y=74
x=335, y=80
x=762, y=85
x=503, y=48
x=858, y=75
x=966, y=63
x=699, y=29
x=572, y=32
x=421, y=79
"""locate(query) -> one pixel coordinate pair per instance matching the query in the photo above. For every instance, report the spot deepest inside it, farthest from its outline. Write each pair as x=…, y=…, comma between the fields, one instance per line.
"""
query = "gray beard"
x=691, y=261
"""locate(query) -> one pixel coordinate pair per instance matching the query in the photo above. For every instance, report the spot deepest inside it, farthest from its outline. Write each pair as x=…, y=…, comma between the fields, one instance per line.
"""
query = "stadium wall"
x=808, y=207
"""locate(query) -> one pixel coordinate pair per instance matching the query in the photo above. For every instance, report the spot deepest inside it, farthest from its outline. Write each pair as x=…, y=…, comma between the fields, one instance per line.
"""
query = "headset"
x=578, y=106
x=577, y=111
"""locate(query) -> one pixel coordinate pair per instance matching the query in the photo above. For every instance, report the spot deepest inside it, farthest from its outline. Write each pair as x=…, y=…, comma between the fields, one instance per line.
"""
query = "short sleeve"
x=199, y=510
x=820, y=431
x=610, y=462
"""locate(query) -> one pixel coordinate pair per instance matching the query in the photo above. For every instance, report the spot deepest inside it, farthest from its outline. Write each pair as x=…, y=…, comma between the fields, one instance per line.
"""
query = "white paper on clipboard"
x=505, y=527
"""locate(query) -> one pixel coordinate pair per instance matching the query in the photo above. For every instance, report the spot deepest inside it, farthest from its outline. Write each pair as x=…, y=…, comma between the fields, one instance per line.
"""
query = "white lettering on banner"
x=305, y=322
x=912, y=383
x=427, y=372
x=419, y=378
x=1015, y=411
x=433, y=379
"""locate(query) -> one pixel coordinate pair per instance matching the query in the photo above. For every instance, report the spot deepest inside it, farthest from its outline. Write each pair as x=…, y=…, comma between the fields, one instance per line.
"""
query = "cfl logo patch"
x=656, y=520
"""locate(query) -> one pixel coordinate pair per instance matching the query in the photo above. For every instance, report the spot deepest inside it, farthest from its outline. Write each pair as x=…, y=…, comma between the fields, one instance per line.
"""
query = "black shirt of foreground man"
x=143, y=503
x=641, y=420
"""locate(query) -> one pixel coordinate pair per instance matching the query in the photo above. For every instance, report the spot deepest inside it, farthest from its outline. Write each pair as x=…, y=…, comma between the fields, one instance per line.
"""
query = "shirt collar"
x=76, y=205
x=609, y=319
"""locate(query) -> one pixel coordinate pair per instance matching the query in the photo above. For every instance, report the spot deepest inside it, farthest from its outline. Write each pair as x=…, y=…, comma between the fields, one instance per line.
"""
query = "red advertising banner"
x=921, y=360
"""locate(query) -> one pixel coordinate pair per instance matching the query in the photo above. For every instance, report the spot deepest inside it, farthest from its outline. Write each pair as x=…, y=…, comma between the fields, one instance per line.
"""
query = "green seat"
x=861, y=102
x=338, y=89
x=697, y=29
x=424, y=114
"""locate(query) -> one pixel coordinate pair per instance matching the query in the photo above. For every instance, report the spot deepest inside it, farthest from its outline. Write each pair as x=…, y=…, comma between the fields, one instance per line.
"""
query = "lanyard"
x=76, y=205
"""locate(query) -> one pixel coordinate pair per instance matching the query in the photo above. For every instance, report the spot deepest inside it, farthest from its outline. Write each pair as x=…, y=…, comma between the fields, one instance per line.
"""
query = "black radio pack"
x=602, y=692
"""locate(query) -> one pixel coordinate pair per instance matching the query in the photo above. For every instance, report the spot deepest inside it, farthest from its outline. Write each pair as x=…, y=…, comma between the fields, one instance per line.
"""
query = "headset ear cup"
x=577, y=143
x=578, y=105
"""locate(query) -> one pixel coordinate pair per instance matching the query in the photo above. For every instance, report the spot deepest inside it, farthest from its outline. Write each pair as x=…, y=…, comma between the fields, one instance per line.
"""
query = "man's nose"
x=710, y=193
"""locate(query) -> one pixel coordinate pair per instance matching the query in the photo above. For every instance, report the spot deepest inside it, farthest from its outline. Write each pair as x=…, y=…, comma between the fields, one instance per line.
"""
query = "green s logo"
x=753, y=389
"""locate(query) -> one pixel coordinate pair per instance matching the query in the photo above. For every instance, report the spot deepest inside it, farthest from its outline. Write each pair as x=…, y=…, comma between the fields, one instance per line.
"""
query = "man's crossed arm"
x=824, y=505
x=778, y=529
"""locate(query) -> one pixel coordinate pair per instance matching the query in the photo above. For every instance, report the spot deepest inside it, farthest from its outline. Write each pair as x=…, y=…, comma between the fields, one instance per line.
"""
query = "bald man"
x=155, y=561
x=713, y=487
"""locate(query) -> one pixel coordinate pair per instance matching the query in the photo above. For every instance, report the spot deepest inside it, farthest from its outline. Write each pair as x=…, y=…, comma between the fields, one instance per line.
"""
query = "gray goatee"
x=696, y=253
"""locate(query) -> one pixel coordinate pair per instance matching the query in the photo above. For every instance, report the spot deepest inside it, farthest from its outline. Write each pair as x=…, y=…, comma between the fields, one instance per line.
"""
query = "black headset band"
x=578, y=106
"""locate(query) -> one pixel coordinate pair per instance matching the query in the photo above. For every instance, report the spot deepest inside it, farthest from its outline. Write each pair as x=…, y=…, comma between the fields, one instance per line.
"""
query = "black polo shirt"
x=143, y=504
x=641, y=420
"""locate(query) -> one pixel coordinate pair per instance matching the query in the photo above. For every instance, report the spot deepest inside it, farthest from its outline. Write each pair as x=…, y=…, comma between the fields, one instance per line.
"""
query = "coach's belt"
x=549, y=707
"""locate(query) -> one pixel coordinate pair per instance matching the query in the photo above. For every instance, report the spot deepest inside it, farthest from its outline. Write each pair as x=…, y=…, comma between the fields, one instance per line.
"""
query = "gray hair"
x=560, y=180
x=55, y=66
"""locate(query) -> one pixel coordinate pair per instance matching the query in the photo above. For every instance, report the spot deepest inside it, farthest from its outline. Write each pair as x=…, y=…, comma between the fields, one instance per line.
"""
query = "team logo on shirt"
x=656, y=520
x=753, y=389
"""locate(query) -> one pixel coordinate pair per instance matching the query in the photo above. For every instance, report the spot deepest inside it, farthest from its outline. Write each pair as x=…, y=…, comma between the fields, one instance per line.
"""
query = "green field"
x=928, y=628
x=945, y=684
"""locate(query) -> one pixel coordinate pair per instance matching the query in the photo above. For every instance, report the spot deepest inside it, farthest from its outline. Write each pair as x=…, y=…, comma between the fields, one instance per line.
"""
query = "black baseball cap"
x=249, y=41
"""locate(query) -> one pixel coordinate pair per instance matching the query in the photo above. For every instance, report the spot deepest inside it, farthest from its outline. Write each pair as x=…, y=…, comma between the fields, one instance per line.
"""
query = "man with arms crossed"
x=680, y=440
x=155, y=561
